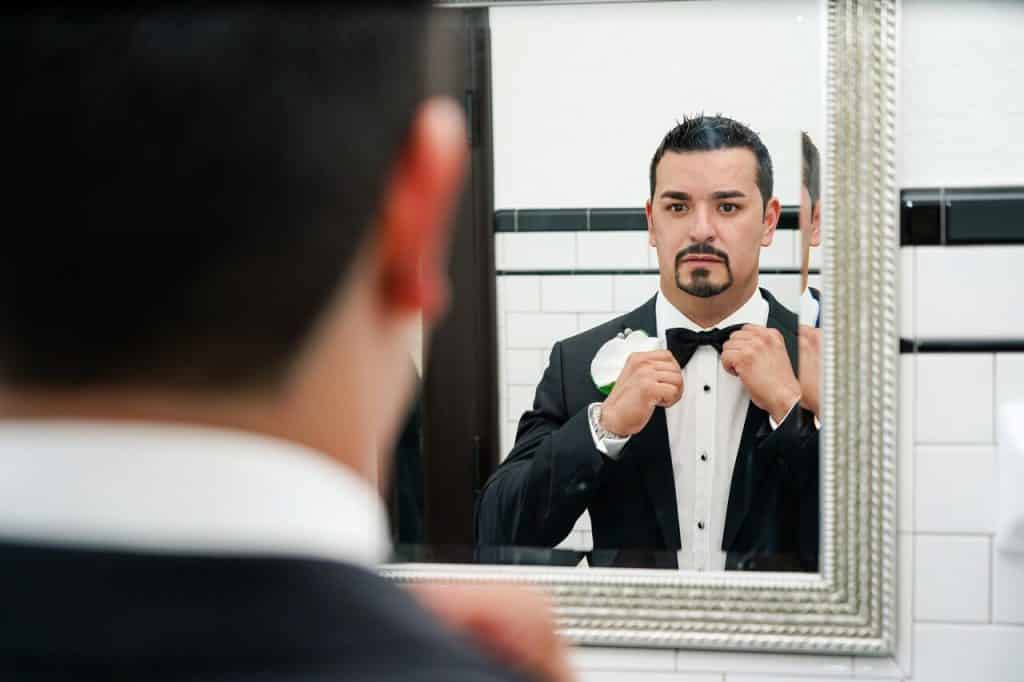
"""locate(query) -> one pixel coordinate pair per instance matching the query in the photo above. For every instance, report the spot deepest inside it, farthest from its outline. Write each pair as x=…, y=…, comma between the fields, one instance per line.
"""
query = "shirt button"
x=703, y=456
x=707, y=389
x=700, y=524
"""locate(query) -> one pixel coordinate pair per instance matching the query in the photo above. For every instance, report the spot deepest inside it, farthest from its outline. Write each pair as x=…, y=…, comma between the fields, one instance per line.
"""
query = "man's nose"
x=703, y=228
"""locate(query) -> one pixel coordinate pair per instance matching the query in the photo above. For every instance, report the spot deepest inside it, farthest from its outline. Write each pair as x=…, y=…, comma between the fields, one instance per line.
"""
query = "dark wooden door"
x=460, y=387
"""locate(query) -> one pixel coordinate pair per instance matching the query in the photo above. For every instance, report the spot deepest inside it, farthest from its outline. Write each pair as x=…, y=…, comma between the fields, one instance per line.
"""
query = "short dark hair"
x=191, y=186
x=811, y=175
x=702, y=133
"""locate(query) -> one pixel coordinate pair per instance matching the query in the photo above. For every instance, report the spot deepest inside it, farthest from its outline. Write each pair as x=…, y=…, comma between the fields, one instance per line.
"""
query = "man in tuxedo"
x=224, y=225
x=701, y=456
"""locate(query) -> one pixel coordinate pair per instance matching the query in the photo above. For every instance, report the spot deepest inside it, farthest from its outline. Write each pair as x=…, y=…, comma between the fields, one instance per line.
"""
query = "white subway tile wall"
x=986, y=280
x=1008, y=587
x=782, y=253
x=535, y=250
x=954, y=397
x=905, y=447
x=906, y=299
x=954, y=489
x=612, y=250
x=959, y=592
x=956, y=653
x=576, y=294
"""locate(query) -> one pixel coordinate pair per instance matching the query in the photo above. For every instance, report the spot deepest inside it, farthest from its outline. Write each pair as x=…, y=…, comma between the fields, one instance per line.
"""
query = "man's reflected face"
x=707, y=220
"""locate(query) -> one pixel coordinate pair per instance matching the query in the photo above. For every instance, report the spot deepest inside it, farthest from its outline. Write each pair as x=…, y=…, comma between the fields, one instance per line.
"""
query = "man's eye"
x=678, y=208
x=728, y=208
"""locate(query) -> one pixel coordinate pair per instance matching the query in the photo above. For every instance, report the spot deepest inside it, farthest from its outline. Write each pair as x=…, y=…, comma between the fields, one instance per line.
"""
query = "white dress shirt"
x=150, y=487
x=704, y=430
x=809, y=308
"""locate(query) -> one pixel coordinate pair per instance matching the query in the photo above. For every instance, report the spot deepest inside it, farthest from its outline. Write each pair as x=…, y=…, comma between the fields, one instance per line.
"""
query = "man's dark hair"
x=189, y=187
x=702, y=133
x=811, y=175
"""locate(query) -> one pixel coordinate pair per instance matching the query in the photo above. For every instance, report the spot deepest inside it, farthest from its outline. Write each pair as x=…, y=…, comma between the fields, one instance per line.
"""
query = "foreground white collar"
x=155, y=487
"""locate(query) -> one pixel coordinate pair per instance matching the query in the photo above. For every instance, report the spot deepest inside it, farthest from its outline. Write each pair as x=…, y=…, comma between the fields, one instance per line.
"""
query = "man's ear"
x=816, y=224
x=771, y=220
x=416, y=208
x=650, y=224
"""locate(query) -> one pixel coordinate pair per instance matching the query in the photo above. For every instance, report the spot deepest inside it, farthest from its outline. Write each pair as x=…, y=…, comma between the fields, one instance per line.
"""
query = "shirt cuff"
x=775, y=425
x=608, y=446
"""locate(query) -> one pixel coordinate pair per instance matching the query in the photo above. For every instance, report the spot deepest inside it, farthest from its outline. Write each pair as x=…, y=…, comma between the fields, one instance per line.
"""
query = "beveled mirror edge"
x=848, y=608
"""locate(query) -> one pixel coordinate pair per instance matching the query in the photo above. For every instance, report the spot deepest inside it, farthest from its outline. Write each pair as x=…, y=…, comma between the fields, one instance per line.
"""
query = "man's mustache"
x=701, y=249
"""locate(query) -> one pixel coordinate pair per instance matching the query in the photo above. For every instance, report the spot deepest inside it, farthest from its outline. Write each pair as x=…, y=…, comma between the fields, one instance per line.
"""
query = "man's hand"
x=648, y=380
x=757, y=355
x=810, y=368
x=512, y=623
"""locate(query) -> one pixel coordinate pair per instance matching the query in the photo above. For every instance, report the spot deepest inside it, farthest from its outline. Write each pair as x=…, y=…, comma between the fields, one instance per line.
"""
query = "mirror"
x=585, y=236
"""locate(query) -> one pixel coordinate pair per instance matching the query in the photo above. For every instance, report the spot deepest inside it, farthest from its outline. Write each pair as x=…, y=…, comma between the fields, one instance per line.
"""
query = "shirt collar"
x=754, y=311
x=183, y=489
x=809, y=308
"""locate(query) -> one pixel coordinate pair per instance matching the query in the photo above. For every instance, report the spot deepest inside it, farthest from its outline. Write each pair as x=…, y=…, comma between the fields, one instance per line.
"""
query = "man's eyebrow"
x=728, y=194
x=671, y=194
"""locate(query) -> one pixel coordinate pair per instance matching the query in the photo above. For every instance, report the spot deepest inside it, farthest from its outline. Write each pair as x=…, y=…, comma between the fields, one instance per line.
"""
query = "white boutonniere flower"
x=611, y=357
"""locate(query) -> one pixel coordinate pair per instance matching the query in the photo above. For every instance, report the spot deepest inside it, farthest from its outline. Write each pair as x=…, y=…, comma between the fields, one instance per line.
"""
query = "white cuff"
x=772, y=421
x=611, y=447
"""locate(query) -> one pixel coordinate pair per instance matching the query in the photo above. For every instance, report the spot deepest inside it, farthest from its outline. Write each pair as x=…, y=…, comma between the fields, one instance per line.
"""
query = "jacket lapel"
x=649, y=448
x=744, y=476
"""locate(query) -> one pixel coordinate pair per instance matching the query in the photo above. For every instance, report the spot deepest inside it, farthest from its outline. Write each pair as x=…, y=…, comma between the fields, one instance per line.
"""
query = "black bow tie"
x=683, y=343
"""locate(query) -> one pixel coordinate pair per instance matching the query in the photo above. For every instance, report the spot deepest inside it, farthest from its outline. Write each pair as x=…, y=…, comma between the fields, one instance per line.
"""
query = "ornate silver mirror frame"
x=849, y=607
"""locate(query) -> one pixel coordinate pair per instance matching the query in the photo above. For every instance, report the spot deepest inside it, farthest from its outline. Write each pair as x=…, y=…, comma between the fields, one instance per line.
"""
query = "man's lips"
x=702, y=259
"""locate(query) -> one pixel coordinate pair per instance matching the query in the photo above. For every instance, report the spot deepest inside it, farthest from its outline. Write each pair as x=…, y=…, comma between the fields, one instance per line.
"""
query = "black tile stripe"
x=636, y=271
x=593, y=219
x=551, y=220
x=962, y=346
x=505, y=220
x=618, y=219
x=789, y=219
x=962, y=216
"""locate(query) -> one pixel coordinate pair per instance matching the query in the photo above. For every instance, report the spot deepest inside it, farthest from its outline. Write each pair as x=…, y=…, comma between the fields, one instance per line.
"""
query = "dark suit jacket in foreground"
x=554, y=473
x=98, y=615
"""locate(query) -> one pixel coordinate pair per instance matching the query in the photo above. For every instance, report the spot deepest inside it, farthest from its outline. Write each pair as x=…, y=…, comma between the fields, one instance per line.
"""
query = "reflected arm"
x=548, y=479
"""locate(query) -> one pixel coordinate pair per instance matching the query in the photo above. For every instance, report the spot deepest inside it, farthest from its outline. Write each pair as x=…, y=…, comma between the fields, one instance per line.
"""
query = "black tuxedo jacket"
x=554, y=473
x=816, y=295
x=74, y=614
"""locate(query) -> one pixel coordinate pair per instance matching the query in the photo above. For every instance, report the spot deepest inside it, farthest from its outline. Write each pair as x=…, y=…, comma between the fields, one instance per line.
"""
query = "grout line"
x=991, y=581
x=995, y=398
x=947, y=443
x=957, y=623
x=953, y=534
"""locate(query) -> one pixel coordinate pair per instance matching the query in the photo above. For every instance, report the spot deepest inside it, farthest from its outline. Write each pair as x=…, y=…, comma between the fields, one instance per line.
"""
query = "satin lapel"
x=744, y=479
x=744, y=475
x=649, y=450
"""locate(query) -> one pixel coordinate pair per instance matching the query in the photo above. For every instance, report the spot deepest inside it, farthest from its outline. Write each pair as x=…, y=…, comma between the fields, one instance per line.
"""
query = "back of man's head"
x=810, y=168
x=188, y=189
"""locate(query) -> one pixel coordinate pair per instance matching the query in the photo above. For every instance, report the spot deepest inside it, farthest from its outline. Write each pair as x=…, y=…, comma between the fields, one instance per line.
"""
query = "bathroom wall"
x=961, y=602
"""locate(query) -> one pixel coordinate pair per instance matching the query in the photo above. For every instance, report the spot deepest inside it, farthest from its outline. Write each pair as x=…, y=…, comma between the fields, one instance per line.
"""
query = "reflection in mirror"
x=679, y=426
x=650, y=288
